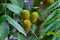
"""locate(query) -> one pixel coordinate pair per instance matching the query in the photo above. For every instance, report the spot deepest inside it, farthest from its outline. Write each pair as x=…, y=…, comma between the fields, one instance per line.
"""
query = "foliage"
x=45, y=27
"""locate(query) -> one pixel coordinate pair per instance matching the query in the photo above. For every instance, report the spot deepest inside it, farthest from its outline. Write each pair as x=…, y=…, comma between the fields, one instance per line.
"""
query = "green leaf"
x=13, y=33
x=50, y=18
x=51, y=27
x=2, y=18
x=34, y=27
x=54, y=25
x=53, y=16
x=58, y=12
x=56, y=38
x=15, y=2
x=21, y=2
x=32, y=37
x=14, y=8
x=20, y=37
x=51, y=7
x=36, y=3
x=4, y=29
x=2, y=7
x=53, y=33
x=16, y=25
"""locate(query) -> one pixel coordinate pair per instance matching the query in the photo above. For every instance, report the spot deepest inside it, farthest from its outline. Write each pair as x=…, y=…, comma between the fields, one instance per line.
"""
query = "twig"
x=34, y=34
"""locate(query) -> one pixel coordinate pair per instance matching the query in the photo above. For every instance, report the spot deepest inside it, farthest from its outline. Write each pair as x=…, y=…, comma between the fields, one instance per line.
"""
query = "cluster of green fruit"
x=28, y=19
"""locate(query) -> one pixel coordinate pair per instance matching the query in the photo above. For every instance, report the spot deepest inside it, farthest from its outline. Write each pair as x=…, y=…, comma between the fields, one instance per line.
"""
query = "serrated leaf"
x=16, y=25
x=4, y=29
x=14, y=8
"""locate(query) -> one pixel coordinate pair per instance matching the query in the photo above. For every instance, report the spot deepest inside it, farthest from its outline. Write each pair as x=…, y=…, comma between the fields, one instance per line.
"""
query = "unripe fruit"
x=26, y=14
x=50, y=1
x=34, y=17
x=27, y=25
x=47, y=2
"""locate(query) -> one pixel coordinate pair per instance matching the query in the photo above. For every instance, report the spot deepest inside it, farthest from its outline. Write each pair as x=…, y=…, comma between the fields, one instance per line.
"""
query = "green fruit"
x=50, y=1
x=47, y=2
x=26, y=14
x=27, y=25
x=34, y=17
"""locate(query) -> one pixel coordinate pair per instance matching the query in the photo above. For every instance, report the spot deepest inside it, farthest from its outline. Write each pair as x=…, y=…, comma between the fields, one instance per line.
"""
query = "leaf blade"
x=16, y=25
